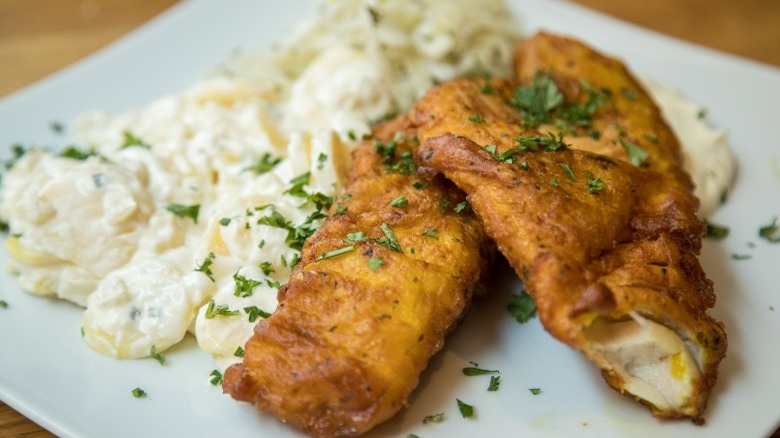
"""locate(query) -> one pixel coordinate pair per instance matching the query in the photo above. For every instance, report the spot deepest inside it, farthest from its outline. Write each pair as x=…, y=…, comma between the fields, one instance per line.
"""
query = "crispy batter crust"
x=347, y=344
x=583, y=254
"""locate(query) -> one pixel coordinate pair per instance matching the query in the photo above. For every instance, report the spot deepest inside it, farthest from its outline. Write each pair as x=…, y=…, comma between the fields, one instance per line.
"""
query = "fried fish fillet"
x=378, y=288
x=598, y=221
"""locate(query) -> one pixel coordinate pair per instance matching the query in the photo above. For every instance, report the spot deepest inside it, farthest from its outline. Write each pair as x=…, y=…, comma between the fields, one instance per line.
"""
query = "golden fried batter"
x=599, y=223
x=355, y=327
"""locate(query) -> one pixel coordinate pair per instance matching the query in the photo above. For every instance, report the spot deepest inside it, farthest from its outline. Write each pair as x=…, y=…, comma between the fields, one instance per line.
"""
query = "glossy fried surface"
x=593, y=236
x=353, y=332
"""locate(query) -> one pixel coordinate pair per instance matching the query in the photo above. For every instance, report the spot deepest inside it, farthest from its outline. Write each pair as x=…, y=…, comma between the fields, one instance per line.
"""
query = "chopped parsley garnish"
x=770, y=232
x=594, y=184
x=255, y=312
x=375, y=262
x=216, y=377
x=636, y=154
x=131, y=140
x=568, y=170
x=244, y=285
x=495, y=381
x=628, y=94
x=225, y=221
x=389, y=240
x=351, y=135
x=522, y=307
x=434, y=418
x=57, y=127
x=717, y=231
x=741, y=256
x=266, y=267
x=402, y=163
x=3, y=304
x=75, y=154
x=652, y=138
x=334, y=253
x=399, y=202
x=466, y=410
x=474, y=371
x=205, y=267
x=462, y=206
x=419, y=185
x=18, y=152
x=535, y=391
x=321, y=159
x=554, y=182
x=138, y=393
x=491, y=149
x=239, y=352
x=159, y=357
x=542, y=102
x=297, y=185
x=431, y=233
x=358, y=236
x=275, y=219
x=213, y=310
x=477, y=118
x=444, y=204
x=266, y=164
x=341, y=209
x=183, y=211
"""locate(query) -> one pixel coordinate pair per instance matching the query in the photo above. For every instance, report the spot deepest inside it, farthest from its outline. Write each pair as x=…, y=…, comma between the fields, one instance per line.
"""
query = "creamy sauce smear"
x=102, y=232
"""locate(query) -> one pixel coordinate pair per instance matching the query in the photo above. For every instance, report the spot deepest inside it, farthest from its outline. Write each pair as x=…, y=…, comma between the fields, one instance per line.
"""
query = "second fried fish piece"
x=602, y=231
x=378, y=288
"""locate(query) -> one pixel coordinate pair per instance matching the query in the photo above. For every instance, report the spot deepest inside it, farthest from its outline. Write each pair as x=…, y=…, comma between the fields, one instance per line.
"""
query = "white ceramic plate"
x=49, y=374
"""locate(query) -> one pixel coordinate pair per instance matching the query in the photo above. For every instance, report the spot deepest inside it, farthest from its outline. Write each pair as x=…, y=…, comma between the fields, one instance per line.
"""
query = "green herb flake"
x=477, y=118
x=185, y=211
x=321, y=159
x=334, y=253
x=434, y=418
x=351, y=135
x=4, y=304
x=255, y=312
x=628, y=94
x=159, y=357
x=475, y=371
x=652, y=138
x=266, y=268
x=495, y=381
x=594, y=184
x=216, y=377
x=133, y=141
x=340, y=209
x=213, y=310
x=138, y=393
x=205, y=267
x=225, y=221
x=522, y=307
x=462, y=207
x=535, y=391
x=419, y=185
x=636, y=154
x=717, y=231
x=244, y=285
x=399, y=202
x=375, y=262
x=444, y=204
x=433, y=234
x=770, y=232
x=568, y=170
x=554, y=182
x=265, y=164
x=466, y=410
x=57, y=127
x=741, y=256
x=357, y=236
x=389, y=240
x=75, y=154
x=239, y=352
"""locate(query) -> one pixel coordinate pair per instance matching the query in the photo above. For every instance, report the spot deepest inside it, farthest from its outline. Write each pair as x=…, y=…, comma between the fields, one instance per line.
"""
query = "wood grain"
x=38, y=37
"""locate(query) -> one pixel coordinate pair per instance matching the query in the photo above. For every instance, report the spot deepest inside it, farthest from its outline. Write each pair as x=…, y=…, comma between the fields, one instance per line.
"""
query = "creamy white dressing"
x=707, y=156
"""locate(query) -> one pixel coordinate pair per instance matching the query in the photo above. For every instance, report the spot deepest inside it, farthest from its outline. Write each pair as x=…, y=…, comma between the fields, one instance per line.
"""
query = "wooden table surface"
x=38, y=37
